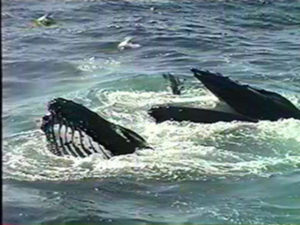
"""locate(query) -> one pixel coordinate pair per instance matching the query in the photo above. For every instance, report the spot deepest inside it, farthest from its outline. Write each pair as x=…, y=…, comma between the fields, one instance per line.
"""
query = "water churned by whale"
x=73, y=130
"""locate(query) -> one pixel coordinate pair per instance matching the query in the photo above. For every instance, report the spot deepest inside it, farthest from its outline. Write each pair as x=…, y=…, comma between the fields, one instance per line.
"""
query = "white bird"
x=128, y=44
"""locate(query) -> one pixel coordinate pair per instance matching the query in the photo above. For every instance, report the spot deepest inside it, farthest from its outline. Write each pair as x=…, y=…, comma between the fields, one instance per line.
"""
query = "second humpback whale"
x=72, y=129
x=248, y=103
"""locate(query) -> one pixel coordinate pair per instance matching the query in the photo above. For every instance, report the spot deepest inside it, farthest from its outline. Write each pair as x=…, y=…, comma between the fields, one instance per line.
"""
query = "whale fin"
x=175, y=83
x=72, y=129
x=198, y=115
x=246, y=100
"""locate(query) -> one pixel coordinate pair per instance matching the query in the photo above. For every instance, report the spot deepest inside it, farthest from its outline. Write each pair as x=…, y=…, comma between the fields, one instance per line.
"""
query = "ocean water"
x=222, y=173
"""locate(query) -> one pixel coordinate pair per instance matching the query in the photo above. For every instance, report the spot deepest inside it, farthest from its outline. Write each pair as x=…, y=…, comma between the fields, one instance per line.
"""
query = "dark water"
x=228, y=173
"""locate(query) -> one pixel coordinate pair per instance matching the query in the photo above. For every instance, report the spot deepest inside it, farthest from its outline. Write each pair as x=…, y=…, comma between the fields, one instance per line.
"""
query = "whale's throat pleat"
x=67, y=138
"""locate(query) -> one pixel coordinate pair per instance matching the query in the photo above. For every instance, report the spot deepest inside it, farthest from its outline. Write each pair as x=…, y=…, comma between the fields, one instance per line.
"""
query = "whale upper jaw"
x=72, y=129
x=254, y=103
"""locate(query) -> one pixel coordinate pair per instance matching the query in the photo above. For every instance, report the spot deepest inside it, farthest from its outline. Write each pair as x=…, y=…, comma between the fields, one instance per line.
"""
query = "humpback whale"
x=248, y=103
x=72, y=129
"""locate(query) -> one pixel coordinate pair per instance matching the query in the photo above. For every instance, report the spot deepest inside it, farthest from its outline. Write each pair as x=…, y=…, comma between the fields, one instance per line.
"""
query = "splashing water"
x=183, y=150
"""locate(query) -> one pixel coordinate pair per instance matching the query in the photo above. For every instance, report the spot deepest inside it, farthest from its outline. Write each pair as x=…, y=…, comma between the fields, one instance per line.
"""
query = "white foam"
x=94, y=64
x=183, y=151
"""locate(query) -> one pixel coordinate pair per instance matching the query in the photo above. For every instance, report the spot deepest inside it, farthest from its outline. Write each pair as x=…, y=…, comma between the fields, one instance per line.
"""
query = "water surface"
x=227, y=173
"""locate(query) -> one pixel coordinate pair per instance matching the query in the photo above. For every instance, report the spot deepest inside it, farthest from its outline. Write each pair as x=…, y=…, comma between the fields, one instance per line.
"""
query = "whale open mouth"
x=69, y=132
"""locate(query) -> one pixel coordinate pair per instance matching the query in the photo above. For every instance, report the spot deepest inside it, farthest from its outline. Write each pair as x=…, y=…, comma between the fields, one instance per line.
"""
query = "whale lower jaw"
x=197, y=115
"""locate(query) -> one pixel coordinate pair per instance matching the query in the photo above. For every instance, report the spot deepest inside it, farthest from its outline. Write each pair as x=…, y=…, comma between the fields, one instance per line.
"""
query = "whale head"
x=69, y=130
x=72, y=129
